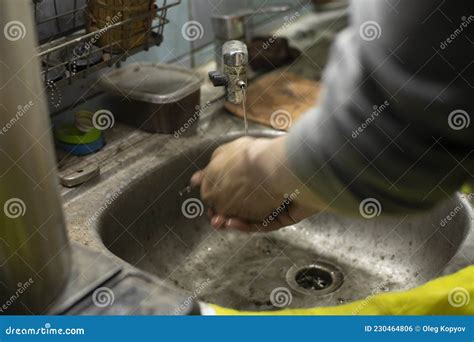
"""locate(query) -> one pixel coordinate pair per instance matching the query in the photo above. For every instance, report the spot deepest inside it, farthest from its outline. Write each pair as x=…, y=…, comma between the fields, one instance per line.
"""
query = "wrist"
x=270, y=157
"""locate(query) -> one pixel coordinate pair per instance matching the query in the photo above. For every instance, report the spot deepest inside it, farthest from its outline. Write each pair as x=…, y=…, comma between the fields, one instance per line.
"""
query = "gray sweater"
x=394, y=124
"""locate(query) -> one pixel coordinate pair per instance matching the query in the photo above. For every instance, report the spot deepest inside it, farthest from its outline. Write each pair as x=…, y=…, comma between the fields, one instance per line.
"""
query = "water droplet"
x=186, y=190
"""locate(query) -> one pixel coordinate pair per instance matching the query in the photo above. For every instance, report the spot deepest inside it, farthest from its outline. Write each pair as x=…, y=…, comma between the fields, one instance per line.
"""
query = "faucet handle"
x=218, y=79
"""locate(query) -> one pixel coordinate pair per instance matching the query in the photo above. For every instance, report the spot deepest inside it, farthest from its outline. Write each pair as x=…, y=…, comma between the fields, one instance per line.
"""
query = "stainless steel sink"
x=134, y=213
x=325, y=260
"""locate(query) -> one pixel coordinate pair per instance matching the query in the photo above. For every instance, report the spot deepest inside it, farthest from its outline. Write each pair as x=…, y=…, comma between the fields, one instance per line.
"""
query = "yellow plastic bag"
x=448, y=295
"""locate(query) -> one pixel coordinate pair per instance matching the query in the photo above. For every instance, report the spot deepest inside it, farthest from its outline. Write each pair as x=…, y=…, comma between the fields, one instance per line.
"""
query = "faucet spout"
x=233, y=75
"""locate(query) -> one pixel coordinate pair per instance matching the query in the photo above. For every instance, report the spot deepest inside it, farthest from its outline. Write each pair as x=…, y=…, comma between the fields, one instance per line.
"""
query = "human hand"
x=276, y=220
x=250, y=187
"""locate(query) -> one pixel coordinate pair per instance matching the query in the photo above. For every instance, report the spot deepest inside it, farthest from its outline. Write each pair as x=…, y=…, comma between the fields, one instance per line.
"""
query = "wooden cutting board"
x=278, y=99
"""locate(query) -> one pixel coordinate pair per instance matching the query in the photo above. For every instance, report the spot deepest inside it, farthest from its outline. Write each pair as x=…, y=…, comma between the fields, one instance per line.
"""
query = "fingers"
x=221, y=221
x=239, y=224
x=217, y=221
x=286, y=218
x=280, y=221
x=197, y=178
x=233, y=223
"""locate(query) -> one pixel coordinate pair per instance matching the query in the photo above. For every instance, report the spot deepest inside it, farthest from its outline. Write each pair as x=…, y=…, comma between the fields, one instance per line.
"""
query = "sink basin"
x=325, y=260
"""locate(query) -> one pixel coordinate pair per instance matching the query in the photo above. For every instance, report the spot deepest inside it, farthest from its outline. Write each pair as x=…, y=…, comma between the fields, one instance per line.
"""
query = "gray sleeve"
x=394, y=121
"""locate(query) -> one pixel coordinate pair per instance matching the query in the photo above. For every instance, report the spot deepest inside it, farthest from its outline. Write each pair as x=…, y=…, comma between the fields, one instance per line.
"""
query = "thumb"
x=197, y=178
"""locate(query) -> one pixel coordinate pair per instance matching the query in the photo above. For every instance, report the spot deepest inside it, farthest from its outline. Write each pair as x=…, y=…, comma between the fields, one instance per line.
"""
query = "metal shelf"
x=73, y=51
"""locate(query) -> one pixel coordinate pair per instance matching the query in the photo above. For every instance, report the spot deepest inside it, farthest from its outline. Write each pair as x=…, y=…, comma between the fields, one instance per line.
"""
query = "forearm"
x=403, y=153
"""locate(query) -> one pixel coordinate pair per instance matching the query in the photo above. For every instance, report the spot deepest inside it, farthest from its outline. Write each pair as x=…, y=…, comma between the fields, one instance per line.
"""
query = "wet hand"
x=247, y=181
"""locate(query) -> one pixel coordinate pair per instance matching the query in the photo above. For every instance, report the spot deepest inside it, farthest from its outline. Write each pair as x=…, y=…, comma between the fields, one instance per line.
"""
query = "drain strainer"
x=315, y=279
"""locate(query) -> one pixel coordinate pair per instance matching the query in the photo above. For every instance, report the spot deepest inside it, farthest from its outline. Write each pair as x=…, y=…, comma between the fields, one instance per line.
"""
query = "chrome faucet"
x=233, y=26
x=233, y=74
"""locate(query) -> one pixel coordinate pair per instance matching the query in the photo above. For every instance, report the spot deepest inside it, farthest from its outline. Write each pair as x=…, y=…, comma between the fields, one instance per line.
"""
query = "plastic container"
x=70, y=134
x=154, y=97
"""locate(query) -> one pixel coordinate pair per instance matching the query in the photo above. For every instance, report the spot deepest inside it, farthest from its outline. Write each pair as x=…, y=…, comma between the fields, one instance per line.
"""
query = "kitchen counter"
x=99, y=285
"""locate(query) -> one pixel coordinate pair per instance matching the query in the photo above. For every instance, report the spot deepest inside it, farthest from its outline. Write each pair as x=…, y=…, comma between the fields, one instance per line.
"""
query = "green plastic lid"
x=69, y=134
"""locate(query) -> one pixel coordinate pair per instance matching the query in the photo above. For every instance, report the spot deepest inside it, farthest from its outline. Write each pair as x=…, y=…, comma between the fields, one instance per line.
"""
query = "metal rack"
x=70, y=51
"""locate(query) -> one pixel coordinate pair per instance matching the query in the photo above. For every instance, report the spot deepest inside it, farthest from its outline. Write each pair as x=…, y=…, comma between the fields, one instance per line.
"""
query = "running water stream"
x=244, y=108
x=188, y=188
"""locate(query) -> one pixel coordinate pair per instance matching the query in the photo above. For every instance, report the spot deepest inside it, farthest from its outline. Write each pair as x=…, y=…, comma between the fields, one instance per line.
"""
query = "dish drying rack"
x=87, y=39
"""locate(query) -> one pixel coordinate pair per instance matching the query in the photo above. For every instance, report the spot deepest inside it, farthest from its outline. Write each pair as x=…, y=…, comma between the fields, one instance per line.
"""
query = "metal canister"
x=34, y=249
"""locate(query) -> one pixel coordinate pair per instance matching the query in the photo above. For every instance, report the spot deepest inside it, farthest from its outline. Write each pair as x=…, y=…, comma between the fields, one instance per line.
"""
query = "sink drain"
x=315, y=279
